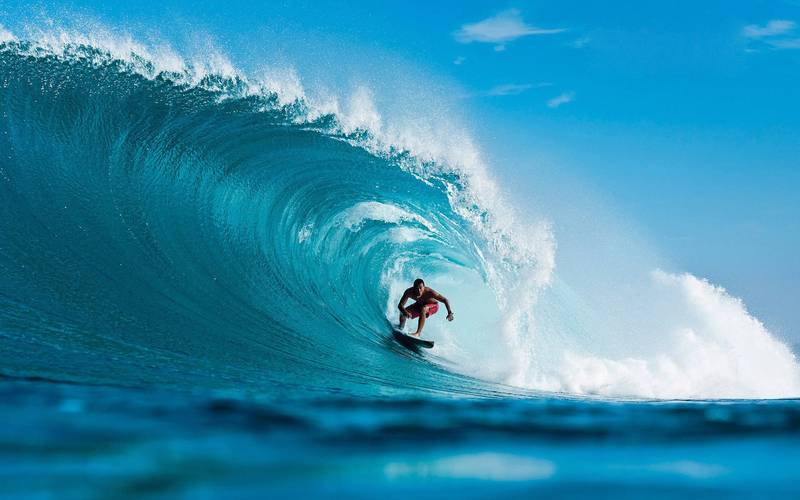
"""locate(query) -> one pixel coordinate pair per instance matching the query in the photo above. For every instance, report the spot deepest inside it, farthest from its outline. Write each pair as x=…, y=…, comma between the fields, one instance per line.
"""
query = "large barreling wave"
x=180, y=224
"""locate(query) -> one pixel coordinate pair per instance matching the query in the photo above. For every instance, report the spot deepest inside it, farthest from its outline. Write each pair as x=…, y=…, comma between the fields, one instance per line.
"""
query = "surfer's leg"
x=413, y=312
x=421, y=323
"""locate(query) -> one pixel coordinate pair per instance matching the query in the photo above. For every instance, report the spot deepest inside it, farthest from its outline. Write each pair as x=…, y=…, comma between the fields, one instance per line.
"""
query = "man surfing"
x=426, y=305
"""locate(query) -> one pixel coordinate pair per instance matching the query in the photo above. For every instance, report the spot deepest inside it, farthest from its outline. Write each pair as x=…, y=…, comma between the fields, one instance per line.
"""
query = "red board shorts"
x=415, y=309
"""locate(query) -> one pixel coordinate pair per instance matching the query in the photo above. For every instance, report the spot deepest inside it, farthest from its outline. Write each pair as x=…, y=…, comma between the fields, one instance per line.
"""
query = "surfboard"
x=408, y=340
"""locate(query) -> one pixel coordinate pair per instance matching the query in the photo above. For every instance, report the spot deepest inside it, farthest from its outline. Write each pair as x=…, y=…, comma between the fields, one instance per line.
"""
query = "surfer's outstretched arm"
x=441, y=298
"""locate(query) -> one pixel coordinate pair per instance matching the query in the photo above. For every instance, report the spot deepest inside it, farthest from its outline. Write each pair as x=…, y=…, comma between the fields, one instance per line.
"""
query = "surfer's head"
x=419, y=286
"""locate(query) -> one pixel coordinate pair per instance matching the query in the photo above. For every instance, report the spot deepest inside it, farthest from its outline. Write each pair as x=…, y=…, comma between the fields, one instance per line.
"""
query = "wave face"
x=187, y=229
x=155, y=231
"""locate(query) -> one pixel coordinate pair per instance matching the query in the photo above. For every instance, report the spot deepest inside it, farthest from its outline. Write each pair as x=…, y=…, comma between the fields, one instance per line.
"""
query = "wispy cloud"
x=580, y=43
x=772, y=28
x=500, y=29
x=777, y=34
x=786, y=43
x=509, y=89
x=560, y=100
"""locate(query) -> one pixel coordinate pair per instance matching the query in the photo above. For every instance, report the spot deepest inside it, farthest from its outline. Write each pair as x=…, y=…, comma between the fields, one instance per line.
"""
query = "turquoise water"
x=79, y=441
x=197, y=284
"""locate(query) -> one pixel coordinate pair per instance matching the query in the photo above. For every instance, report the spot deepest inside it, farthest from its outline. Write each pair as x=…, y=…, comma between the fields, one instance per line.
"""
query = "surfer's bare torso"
x=428, y=295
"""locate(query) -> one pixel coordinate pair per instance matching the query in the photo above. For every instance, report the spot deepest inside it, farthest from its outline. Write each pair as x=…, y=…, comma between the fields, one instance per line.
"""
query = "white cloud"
x=777, y=34
x=773, y=28
x=786, y=43
x=503, y=27
x=509, y=89
x=561, y=99
x=581, y=42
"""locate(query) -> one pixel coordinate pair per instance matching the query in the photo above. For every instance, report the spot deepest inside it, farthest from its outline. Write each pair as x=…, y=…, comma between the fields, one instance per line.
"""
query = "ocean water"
x=198, y=277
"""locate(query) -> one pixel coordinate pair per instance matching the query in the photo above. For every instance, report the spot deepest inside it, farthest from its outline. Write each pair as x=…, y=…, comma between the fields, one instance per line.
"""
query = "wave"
x=182, y=224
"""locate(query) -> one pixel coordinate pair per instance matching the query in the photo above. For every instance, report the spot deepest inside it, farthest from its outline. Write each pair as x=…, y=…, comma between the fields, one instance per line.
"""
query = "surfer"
x=426, y=305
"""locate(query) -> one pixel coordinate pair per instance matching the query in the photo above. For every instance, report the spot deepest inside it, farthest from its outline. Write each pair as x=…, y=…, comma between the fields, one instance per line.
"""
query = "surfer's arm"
x=441, y=298
x=402, y=303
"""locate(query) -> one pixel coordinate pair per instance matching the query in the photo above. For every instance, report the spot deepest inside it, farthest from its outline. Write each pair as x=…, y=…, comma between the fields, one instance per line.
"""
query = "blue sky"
x=679, y=120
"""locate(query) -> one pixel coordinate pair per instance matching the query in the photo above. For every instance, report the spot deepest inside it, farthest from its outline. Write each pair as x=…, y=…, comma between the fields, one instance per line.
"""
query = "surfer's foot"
x=415, y=334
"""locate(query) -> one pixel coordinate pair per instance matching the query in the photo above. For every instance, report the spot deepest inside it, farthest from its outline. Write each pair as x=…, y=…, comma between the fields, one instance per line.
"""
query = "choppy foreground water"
x=73, y=441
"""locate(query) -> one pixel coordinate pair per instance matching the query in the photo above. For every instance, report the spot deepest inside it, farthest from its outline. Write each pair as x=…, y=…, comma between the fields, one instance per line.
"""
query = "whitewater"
x=180, y=223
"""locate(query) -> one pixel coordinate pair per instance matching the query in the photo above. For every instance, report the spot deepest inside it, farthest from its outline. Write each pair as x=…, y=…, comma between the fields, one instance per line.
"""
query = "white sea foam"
x=355, y=217
x=708, y=346
x=305, y=232
x=5, y=35
x=400, y=235
x=484, y=466
x=285, y=84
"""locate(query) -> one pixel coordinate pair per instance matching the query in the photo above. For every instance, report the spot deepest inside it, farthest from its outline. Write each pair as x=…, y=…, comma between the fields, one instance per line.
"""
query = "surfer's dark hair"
x=418, y=282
